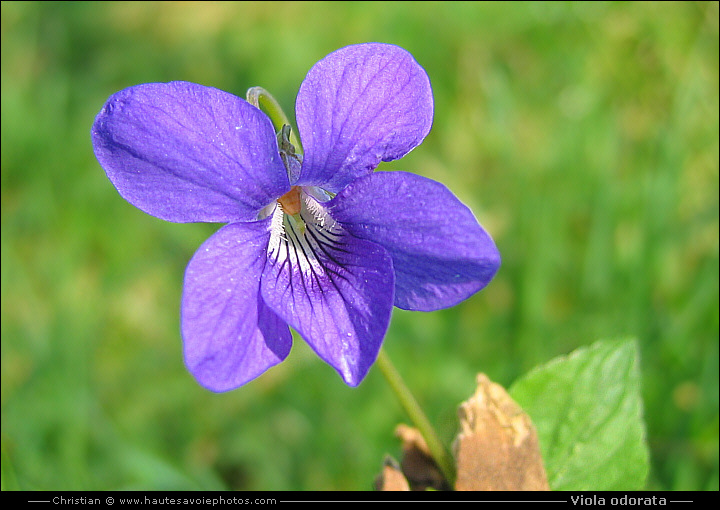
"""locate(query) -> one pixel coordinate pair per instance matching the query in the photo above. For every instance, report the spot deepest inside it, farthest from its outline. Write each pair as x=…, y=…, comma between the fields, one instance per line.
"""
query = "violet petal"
x=440, y=253
x=360, y=105
x=230, y=335
x=184, y=152
x=333, y=289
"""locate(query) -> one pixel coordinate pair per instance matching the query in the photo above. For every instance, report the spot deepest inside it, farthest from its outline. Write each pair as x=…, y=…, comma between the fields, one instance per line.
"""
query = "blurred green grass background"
x=583, y=135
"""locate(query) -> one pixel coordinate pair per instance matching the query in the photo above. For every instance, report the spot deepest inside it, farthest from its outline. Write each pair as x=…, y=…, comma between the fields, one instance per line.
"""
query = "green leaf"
x=587, y=410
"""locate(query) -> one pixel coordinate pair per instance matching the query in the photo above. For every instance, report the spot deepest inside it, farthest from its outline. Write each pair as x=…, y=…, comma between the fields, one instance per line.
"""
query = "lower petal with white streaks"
x=336, y=290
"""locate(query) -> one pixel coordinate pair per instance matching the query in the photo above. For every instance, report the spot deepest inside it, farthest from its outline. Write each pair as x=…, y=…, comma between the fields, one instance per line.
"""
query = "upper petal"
x=440, y=253
x=357, y=106
x=334, y=289
x=184, y=152
x=230, y=335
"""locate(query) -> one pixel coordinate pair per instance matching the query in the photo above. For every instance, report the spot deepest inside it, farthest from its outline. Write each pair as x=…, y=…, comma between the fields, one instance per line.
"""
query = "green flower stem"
x=440, y=454
x=261, y=98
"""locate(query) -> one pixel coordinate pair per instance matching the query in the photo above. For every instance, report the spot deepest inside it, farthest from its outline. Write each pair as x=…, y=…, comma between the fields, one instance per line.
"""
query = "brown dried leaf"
x=417, y=463
x=391, y=478
x=497, y=447
x=417, y=471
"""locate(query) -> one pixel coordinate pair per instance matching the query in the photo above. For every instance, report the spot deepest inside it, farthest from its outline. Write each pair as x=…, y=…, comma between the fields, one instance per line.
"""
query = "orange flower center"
x=290, y=201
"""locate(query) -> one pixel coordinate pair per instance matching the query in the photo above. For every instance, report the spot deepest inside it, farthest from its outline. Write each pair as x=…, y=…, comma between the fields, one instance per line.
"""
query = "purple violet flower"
x=316, y=241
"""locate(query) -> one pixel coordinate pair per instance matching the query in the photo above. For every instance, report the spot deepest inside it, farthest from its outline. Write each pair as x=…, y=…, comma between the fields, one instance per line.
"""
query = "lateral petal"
x=185, y=152
x=440, y=253
x=336, y=290
x=360, y=105
x=230, y=335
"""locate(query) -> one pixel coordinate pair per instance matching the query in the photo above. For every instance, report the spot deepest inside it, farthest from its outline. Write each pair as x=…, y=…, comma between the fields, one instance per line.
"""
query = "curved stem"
x=440, y=454
x=261, y=98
